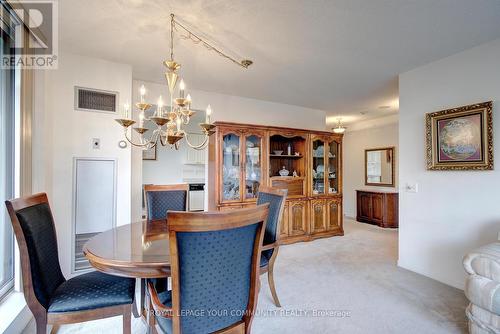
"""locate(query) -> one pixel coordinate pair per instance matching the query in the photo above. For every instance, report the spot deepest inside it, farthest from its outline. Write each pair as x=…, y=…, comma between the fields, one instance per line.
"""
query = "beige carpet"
x=347, y=284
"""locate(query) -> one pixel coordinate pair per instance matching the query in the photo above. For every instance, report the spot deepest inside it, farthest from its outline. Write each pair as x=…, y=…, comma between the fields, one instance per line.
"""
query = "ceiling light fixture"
x=339, y=128
x=180, y=111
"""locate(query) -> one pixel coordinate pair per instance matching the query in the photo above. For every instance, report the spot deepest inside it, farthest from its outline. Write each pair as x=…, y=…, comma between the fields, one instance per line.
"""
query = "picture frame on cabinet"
x=460, y=138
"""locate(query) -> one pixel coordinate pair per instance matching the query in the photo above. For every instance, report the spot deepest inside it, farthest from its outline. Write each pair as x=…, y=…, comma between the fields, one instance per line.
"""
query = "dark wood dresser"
x=377, y=207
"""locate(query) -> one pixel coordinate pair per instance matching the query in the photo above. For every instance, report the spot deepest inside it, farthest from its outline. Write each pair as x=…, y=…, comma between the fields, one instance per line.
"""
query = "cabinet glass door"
x=253, y=165
x=332, y=176
x=318, y=167
x=231, y=167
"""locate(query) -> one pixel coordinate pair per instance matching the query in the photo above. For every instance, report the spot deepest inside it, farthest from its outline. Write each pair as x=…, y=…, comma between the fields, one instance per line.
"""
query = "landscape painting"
x=460, y=138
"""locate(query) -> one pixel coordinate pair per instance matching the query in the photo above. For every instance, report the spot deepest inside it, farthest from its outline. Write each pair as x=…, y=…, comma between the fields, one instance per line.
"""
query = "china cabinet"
x=306, y=163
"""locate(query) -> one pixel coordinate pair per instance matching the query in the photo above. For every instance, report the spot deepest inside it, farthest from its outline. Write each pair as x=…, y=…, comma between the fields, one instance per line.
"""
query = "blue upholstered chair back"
x=40, y=235
x=215, y=276
x=161, y=201
x=273, y=219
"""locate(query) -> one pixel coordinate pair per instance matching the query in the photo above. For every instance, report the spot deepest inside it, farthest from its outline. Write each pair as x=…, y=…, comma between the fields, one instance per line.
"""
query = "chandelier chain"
x=196, y=40
x=172, y=37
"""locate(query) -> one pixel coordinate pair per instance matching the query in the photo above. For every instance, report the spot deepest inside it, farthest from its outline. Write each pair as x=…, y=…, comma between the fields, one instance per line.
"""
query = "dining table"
x=136, y=250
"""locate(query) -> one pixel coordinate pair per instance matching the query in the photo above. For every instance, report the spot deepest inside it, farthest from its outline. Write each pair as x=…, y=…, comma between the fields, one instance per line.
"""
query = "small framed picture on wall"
x=460, y=138
x=149, y=154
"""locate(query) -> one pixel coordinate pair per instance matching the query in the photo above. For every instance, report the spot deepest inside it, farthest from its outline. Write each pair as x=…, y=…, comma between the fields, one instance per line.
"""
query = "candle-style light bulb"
x=178, y=121
x=142, y=91
x=188, y=99
x=182, y=87
x=141, y=119
x=126, y=109
x=160, y=106
x=208, y=114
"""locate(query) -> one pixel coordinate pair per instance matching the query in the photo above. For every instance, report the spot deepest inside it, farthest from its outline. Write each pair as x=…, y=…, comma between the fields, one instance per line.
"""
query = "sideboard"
x=377, y=207
x=241, y=157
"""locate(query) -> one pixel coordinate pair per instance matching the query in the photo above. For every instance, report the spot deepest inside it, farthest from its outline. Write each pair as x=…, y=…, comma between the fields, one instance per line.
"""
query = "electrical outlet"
x=411, y=188
x=96, y=143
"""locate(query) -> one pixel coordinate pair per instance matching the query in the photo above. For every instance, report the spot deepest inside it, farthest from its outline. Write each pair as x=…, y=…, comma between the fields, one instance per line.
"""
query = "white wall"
x=453, y=212
x=225, y=108
x=62, y=133
x=355, y=143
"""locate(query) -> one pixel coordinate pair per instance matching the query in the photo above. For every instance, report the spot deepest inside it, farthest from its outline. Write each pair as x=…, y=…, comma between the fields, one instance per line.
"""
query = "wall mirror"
x=379, y=167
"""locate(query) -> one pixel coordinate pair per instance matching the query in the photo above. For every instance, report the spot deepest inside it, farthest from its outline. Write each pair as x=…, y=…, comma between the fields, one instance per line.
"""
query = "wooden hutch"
x=243, y=156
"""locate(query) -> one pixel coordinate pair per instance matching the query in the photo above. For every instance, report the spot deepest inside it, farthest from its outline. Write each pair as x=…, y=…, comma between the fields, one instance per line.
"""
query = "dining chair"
x=214, y=260
x=51, y=298
x=159, y=200
x=276, y=199
x=163, y=198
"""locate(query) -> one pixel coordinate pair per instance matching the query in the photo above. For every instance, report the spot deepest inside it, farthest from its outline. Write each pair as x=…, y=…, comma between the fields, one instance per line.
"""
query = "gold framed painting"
x=460, y=138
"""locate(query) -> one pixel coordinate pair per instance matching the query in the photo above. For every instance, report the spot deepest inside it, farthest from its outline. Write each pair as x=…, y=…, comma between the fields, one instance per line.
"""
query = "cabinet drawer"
x=294, y=185
x=230, y=207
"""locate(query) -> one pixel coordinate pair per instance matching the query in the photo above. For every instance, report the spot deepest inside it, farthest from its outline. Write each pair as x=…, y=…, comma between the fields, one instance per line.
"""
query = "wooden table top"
x=139, y=250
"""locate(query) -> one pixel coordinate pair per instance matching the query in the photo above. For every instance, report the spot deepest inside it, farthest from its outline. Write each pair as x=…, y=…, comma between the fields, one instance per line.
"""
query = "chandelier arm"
x=197, y=147
x=149, y=141
x=198, y=39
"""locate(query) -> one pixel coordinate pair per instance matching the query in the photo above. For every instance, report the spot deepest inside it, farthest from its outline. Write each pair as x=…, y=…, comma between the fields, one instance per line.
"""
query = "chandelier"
x=339, y=128
x=167, y=122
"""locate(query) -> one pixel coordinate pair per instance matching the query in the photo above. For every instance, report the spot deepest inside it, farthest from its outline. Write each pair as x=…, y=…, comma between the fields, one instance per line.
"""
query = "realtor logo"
x=33, y=34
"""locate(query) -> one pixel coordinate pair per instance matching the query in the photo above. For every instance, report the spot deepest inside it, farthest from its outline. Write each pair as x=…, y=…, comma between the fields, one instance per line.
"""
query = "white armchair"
x=482, y=288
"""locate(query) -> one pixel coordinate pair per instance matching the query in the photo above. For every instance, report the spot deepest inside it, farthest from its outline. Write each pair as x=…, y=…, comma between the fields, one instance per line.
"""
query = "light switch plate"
x=411, y=187
x=96, y=143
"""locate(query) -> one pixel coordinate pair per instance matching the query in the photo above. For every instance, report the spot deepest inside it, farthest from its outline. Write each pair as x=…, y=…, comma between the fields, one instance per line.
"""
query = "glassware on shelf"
x=253, y=168
x=231, y=167
x=332, y=166
x=284, y=171
x=319, y=164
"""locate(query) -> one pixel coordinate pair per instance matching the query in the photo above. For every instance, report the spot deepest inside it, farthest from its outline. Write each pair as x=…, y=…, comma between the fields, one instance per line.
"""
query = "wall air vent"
x=89, y=99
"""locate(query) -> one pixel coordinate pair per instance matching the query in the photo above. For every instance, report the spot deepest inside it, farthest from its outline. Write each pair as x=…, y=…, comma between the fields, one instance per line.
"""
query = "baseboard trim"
x=20, y=315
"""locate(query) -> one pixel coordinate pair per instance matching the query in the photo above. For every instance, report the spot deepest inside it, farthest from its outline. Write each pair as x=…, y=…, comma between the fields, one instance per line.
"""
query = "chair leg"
x=150, y=316
x=127, y=329
x=41, y=325
x=142, y=308
x=54, y=329
x=270, y=278
x=135, y=311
